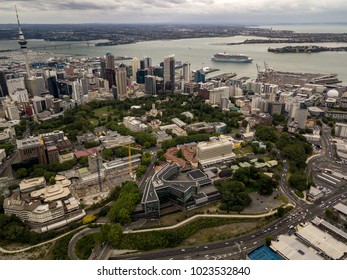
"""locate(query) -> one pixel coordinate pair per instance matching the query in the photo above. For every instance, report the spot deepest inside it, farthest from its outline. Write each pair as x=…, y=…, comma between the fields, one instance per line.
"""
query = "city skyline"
x=176, y=11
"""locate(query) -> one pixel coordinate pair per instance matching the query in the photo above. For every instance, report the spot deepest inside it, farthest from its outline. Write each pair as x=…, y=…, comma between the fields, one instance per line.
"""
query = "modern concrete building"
x=218, y=150
x=341, y=130
x=169, y=185
x=301, y=117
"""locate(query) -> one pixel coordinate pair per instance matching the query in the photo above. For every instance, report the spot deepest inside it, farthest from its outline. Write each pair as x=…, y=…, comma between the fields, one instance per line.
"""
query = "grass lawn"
x=175, y=218
x=283, y=199
x=247, y=150
x=103, y=111
x=93, y=121
x=237, y=151
x=224, y=232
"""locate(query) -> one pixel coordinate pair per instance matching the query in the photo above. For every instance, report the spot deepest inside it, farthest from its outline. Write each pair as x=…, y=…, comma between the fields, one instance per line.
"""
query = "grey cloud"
x=253, y=11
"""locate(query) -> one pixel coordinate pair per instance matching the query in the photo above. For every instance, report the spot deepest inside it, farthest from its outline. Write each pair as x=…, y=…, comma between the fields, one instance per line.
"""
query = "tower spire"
x=23, y=44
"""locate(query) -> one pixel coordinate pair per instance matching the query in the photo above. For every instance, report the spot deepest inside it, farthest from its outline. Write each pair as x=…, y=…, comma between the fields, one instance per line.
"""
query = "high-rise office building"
x=140, y=76
x=3, y=84
x=169, y=73
x=121, y=80
x=110, y=61
x=110, y=69
x=147, y=62
x=103, y=69
x=35, y=86
x=52, y=86
x=135, y=64
x=199, y=76
x=77, y=92
x=187, y=73
x=150, y=85
x=15, y=84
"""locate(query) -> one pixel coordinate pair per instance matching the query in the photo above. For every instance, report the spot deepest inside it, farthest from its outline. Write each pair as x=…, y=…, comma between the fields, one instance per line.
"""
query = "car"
x=255, y=242
x=183, y=250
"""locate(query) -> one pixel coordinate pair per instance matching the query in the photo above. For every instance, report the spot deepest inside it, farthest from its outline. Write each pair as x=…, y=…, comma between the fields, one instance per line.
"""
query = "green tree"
x=115, y=235
x=140, y=170
x=298, y=181
x=124, y=216
x=52, y=180
x=21, y=173
x=244, y=123
x=180, y=153
x=281, y=212
x=268, y=240
x=107, y=154
x=103, y=233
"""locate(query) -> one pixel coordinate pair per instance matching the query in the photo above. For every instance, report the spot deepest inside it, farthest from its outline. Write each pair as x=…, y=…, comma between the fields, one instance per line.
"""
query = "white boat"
x=226, y=57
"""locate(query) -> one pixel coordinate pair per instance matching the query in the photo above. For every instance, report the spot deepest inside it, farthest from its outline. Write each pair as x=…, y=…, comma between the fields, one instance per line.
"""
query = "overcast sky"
x=175, y=11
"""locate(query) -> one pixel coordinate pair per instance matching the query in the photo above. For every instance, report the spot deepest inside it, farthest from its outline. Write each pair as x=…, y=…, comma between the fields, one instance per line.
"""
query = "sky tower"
x=23, y=45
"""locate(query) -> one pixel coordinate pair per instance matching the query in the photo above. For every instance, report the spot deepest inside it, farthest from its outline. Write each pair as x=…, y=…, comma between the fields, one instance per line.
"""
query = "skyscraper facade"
x=135, y=64
x=121, y=80
x=169, y=73
x=187, y=73
x=150, y=85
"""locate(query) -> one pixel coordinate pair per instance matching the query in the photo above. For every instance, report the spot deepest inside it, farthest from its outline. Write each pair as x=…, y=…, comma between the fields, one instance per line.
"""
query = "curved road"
x=86, y=231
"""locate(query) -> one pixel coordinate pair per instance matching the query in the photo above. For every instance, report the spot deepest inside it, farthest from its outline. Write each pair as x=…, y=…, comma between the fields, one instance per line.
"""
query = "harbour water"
x=199, y=52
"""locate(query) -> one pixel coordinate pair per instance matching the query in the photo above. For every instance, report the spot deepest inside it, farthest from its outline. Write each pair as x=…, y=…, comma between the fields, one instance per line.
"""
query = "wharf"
x=223, y=77
x=290, y=78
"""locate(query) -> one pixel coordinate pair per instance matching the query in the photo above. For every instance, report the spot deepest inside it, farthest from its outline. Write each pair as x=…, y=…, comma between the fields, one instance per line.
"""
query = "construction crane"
x=129, y=147
x=98, y=158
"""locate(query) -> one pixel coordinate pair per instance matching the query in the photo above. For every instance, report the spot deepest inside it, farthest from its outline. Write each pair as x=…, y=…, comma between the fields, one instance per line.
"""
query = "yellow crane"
x=129, y=147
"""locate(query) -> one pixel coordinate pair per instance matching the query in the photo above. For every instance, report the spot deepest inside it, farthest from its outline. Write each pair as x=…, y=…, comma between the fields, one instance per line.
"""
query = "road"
x=76, y=237
x=234, y=248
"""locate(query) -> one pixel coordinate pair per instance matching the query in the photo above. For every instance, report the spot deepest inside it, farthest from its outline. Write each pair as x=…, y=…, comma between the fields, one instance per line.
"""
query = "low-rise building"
x=341, y=209
x=114, y=139
x=42, y=207
x=219, y=149
x=28, y=185
x=169, y=185
x=161, y=136
x=134, y=124
x=322, y=241
x=290, y=248
x=314, y=194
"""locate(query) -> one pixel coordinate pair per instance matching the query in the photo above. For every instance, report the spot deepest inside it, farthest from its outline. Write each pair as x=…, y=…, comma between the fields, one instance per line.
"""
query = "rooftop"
x=323, y=241
x=292, y=249
x=32, y=183
x=341, y=208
